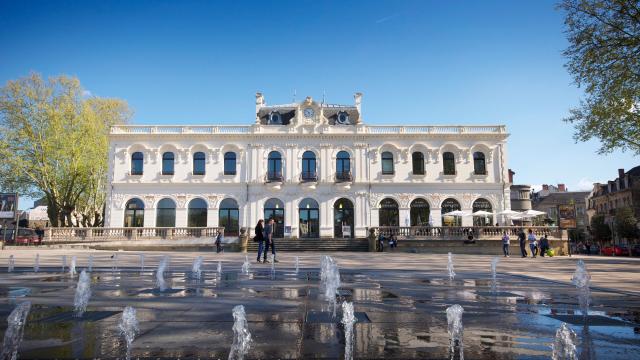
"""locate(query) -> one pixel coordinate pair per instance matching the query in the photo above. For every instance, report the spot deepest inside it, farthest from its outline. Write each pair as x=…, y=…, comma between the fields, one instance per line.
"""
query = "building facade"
x=317, y=169
x=623, y=191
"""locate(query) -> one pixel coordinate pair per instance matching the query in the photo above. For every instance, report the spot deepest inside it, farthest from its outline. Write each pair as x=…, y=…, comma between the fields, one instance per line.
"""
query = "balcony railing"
x=70, y=235
x=462, y=232
x=344, y=176
x=273, y=177
x=309, y=176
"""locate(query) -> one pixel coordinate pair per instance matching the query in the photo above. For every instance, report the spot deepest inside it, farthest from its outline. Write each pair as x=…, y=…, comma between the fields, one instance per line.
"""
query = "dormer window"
x=275, y=118
x=343, y=118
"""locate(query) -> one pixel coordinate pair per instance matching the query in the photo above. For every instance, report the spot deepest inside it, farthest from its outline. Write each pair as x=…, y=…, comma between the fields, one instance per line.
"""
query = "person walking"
x=522, y=238
x=268, y=238
x=219, y=248
x=533, y=243
x=259, y=238
x=380, y=242
x=544, y=245
x=505, y=244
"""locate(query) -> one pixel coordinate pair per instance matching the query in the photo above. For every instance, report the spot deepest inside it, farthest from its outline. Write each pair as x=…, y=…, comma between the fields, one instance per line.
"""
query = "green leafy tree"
x=626, y=223
x=604, y=58
x=54, y=143
x=599, y=229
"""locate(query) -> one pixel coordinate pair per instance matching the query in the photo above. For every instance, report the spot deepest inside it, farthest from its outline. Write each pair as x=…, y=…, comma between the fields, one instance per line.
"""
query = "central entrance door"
x=309, y=219
x=343, y=218
x=274, y=209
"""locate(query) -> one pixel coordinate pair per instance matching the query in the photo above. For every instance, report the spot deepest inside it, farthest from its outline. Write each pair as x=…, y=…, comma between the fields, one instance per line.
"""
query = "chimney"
x=545, y=187
x=511, y=173
x=621, y=174
x=561, y=188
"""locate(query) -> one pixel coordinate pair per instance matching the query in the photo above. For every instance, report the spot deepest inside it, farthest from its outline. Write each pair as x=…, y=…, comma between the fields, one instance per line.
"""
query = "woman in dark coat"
x=259, y=238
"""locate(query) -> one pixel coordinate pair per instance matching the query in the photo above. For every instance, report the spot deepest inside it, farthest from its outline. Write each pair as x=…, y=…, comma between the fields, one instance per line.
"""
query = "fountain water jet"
x=12, y=263
x=196, y=272
x=241, y=334
x=582, y=280
x=452, y=274
x=329, y=280
x=141, y=263
x=455, y=329
x=90, y=264
x=273, y=270
x=64, y=262
x=494, y=281
x=297, y=265
x=348, y=320
x=72, y=267
x=246, y=266
x=162, y=266
x=129, y=327
x=15, y=330
x=114, y=266
x=36, y=263
x=83, y=293
x=219, y=268
x=563, y=347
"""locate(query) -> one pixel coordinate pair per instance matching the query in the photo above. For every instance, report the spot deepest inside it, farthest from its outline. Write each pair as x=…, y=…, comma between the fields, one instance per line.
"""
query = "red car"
x=615, y=250
x=25, y=237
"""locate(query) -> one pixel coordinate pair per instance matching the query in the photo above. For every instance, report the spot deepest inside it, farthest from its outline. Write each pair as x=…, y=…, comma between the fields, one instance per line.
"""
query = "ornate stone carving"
x=489, y=156
x=153, y=155
x=149, y=201
x=117, y=200
x=374, y=199
x=213, y=200
x=122, y=155
x=464, y=155
x=181, y=199
x=468, y=199
x=404, y=200
x=404, y=154
x=373, y=155
x=435, y=154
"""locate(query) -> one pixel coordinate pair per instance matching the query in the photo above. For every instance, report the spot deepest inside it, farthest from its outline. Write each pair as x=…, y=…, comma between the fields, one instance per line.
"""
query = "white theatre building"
x=318, y=169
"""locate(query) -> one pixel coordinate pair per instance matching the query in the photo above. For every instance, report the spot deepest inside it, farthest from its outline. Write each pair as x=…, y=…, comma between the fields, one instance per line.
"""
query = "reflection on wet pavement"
x=400, y=315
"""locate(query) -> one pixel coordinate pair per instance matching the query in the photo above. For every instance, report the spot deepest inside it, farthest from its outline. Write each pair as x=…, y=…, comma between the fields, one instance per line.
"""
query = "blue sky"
x=417, y=62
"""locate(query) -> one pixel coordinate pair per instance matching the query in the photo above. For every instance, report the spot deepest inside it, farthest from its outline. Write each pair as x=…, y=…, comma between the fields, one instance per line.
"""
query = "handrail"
x=463, y=232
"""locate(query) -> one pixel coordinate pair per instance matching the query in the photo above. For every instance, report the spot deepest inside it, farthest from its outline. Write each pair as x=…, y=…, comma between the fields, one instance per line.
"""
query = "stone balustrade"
x=242, y=129
x=102, y=234
x=462, y=232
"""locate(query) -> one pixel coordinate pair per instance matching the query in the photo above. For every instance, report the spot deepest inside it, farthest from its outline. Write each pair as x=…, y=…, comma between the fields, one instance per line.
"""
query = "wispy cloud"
x=86, y=93
x=386, y=18
x=584, y=185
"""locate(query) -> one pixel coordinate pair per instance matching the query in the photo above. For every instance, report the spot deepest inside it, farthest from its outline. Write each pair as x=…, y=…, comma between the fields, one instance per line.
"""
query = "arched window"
x=448, y=163
x=309, y=218
x=197, y=216
x=134, y=213
x=229, y=163
x=167, y=163
x=166, y=213
x=137, y=163
x=479, y=167
x=387, y=163
x=343, y=166
x=274, y=209
x=419, y=213
x=388, y=213
x=343, y=218
x=229, y=217
x=449, y=205
x=417, y=159
x=198, y=163
x=486, y=217
x=274, y=166
x=309, y=166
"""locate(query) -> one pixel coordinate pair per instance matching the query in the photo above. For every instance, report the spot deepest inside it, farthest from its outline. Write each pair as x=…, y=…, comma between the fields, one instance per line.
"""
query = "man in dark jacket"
x=259, y=238
x=523, y=247
x=268, y=238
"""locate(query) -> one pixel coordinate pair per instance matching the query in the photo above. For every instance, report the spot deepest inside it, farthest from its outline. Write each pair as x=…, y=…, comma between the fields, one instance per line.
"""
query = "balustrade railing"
x=463, y=232
x=243, y=129
x=62, y=235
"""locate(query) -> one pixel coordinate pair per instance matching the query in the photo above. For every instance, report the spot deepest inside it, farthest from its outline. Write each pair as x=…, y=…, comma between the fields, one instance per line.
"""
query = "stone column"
x=326, y=219
x=436, y=214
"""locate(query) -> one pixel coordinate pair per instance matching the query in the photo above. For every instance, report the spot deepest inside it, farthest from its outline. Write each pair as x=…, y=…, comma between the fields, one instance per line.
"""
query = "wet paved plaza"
x=400, y=311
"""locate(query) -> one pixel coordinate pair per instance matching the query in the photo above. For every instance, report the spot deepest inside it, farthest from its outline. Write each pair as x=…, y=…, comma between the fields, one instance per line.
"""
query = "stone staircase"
x=329, y=244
